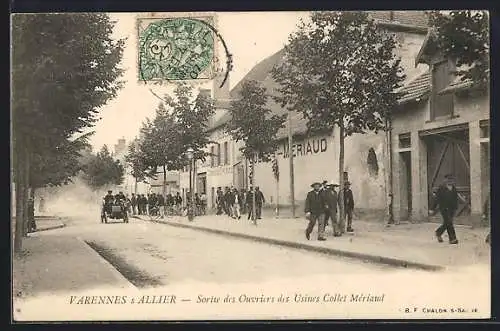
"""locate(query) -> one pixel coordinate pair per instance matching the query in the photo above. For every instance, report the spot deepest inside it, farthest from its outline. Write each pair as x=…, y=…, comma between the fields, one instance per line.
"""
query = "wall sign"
x=307, y=147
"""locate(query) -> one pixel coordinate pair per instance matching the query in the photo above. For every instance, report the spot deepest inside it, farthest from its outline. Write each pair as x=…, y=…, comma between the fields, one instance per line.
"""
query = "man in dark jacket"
x=249, y=202
x=160, y=199
x=178, y=203
x=259, y=202
x=331, y=212
x=447, y=202
x=219, y=201
x=348, y=207
x=133, y=203
x=315, y=211
x=227, y=201
x=108, y=201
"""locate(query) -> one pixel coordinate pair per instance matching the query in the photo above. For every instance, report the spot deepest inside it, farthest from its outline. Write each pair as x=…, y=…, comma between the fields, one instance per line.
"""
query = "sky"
x=250, y=38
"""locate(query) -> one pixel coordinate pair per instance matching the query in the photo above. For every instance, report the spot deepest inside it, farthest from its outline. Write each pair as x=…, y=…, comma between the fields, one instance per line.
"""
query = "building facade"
x=443, y=128
x=315, y=158
x=422, y=126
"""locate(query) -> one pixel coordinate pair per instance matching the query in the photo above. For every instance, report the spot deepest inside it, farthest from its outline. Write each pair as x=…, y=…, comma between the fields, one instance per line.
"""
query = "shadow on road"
x=137, y=277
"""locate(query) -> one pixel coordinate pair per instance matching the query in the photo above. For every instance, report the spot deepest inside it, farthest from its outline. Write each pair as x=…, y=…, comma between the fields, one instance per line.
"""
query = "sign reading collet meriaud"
x=306, y=147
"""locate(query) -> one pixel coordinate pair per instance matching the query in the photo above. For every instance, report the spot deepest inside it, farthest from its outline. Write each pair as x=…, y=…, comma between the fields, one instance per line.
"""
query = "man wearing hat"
x=108, y=200
x=331, y=211
x=447, y=202
x=348, y=207
x=315, y=210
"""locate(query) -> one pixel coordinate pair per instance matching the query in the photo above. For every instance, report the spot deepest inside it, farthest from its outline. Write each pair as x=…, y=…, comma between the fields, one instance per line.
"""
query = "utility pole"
x=290, y=158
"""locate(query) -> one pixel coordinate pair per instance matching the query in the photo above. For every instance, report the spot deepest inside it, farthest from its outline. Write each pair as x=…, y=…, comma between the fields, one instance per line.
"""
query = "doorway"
x=201, y=183
x=448, y=153
x=405, y=187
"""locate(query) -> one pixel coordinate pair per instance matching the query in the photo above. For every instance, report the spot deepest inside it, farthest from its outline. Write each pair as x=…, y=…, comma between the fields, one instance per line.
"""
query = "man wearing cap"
x=315, y=211
x=447, y=202
x=324, y=187
x=331, y=211
x=348, y=207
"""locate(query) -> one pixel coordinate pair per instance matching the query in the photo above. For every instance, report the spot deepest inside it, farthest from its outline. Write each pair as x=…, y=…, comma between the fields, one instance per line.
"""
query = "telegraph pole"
x=290, y=158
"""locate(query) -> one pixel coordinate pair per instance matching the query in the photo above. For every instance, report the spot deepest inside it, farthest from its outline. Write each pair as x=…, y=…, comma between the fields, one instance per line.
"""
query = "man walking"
x=447, y=202
x=315, y=211
x=259, y=201
x=348, y=207
x=227, y=201
x=331, y=211
x=161, y=204
x=249, y=202
x=133, y=202
x=236, y=200
x=219, y=201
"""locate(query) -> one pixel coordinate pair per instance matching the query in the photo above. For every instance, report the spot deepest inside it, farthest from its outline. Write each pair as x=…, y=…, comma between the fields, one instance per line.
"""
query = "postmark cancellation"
x=176, y=48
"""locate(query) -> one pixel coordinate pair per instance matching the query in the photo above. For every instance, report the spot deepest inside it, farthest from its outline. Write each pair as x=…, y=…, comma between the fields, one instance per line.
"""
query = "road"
x=170, y=255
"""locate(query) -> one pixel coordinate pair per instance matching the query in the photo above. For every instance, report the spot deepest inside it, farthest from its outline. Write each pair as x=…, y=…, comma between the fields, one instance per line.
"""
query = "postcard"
x=250, y=166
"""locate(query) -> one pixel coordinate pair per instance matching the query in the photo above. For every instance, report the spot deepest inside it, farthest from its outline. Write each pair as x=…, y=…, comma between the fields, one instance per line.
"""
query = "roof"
x=405, y=18
x=457, y=85
x=416, y=88
x=427, y=48
x=262, y=72
x=259, y=72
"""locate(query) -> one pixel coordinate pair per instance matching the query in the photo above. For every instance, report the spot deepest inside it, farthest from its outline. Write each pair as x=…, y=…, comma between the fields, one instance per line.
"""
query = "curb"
x=324, y=250
x=51, y=228
x=117, y=274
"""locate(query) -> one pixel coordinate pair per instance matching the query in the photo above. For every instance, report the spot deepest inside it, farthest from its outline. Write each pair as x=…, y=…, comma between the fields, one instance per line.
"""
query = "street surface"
x=170, y=254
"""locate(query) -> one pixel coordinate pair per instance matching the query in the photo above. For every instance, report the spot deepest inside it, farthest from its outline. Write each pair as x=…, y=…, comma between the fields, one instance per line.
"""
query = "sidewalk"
x=44, y=223
x=50, y=264
x=406, y=245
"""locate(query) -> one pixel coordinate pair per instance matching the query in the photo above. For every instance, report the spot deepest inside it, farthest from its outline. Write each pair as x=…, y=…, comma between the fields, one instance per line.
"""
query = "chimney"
x=221, y=92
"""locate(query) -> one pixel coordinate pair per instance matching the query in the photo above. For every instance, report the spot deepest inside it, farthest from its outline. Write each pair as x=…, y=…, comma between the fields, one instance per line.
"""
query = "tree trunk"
x=341, y=176
x=164, y=180
x=254, y=207
x=290, y=159
x=389, y=147
x=19, y=187
x=26, y=190
x=277, y=197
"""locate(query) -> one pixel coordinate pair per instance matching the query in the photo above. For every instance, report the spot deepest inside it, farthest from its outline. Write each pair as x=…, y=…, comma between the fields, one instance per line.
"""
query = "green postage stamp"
x=176, y=48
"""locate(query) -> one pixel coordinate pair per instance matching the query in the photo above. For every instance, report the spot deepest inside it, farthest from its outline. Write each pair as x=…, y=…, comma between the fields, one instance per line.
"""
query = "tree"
x=136, y=160
x=160, y=146
x=340, y=71
x=64, y=68
x=103, y=170
x=463, y=35
x=179, y=123
x=253, y=124
x=191, y=119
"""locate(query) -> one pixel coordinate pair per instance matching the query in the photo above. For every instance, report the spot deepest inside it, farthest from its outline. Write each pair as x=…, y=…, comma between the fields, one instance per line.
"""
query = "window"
x=441, y=104
x=226, y=153
x=218, y=155
x=404, y=140
x=212, y=156
x=372, y=163
x=484, y=126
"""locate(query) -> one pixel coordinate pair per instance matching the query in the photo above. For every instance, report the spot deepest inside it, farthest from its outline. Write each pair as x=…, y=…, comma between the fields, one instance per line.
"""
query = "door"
x=406, y=187
x=448, y=153
x=239, y=176
x=201, y=183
